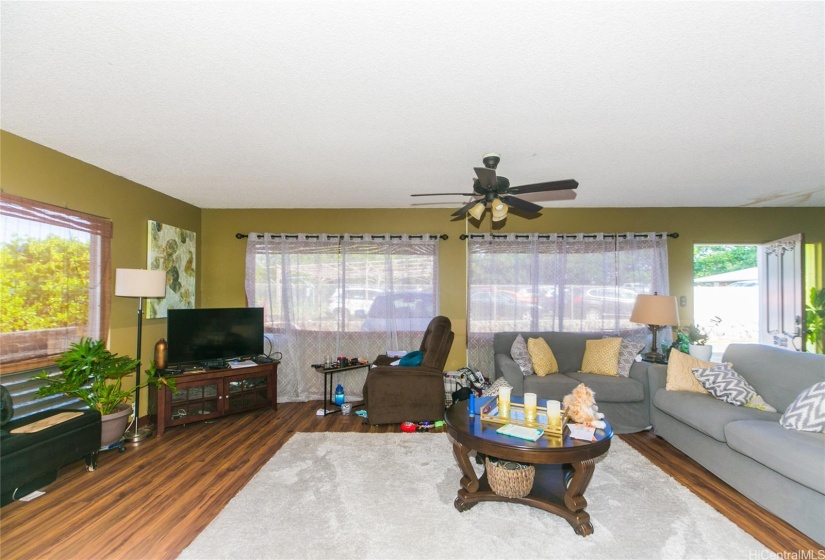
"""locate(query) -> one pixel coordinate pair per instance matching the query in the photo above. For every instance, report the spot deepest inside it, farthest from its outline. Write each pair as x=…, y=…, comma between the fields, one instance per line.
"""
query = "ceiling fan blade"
x=559, y=195
x=466, y=208
x=445, y=194
x=549, y=186
x=487, y=178
x=520, y=204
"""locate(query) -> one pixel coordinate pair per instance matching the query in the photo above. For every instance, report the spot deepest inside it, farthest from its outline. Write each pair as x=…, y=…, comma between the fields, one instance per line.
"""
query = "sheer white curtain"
x=340, y=295
x=556, y=282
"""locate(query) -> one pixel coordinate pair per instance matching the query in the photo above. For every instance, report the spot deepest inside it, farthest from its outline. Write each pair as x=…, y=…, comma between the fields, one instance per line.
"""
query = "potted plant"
x=697, y=338
x=90, y=372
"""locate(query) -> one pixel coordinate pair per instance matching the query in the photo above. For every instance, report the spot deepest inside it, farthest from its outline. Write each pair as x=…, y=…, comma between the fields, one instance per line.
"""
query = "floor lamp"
x=139, y=283
x=656, y=312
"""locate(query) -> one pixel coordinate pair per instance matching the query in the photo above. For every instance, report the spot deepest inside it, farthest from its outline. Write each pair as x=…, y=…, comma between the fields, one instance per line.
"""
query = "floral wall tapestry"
x=173, y=250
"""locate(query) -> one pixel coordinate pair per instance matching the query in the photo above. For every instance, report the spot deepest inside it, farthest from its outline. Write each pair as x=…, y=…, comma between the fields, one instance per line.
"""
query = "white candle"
x=530, y=407
x=504, y=394
x=553, y=409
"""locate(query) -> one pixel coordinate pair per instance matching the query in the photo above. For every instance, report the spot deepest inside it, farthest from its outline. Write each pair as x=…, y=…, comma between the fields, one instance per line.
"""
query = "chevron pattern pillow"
x=807, y=411
x=725, y=384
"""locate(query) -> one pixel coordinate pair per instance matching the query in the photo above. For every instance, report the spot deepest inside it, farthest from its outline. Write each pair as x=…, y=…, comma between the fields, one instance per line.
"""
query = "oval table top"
x=482, y=437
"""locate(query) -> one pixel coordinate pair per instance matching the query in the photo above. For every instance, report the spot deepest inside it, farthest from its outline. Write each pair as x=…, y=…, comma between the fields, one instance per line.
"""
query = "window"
x=342, y=295
x=554, y=282
x=55, y=288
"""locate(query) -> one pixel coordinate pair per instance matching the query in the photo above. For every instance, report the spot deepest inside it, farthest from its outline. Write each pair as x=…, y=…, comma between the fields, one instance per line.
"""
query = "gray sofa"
x=624, y=401
x=780, y=469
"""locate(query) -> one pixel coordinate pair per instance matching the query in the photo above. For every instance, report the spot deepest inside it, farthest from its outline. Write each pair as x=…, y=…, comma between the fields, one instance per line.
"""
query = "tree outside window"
x=55, y=283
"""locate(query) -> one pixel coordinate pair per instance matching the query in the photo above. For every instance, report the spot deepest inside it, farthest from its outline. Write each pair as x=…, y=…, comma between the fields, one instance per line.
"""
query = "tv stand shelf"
x=204, y=395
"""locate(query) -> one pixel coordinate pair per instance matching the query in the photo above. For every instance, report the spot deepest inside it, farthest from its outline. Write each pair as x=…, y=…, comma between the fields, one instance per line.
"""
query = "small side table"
x=662, y=362
x=328, y=373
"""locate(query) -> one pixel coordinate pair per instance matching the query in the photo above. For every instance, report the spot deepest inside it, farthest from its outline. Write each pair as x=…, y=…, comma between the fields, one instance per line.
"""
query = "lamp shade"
x=499, y=210
x=137, y=282
x=655, y=310
x=477, y=211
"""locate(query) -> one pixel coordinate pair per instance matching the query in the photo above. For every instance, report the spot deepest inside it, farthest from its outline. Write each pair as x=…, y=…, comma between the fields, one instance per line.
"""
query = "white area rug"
x=347, y=496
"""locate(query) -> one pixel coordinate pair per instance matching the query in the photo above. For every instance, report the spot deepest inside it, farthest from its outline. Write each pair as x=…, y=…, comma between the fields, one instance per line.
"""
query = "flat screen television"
x=200, y=335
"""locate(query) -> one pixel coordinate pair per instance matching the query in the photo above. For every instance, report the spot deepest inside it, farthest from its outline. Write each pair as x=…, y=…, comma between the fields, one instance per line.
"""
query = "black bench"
x=29, y=461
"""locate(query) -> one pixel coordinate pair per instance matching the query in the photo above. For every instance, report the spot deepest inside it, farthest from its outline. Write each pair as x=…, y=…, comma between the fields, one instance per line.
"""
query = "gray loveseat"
x=782, y=470
x=624, y=401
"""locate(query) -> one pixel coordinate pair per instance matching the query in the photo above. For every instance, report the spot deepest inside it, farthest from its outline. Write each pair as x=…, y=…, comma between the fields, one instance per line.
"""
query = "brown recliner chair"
x=414, y=394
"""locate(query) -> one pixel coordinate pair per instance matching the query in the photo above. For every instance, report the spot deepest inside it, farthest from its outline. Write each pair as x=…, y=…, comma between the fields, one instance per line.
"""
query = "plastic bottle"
x=339, y=395
x=472, y=406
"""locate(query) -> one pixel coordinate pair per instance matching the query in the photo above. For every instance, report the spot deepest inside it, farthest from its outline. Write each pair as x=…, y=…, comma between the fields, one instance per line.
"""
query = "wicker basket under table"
x=510, y=483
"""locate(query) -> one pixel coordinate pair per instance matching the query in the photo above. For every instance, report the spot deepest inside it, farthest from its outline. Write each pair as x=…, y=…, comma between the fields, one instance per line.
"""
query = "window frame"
x=99, y=306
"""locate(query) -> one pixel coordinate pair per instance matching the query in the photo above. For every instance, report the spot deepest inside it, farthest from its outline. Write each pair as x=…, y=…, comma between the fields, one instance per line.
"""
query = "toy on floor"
x=411, y=427
x=581, y=408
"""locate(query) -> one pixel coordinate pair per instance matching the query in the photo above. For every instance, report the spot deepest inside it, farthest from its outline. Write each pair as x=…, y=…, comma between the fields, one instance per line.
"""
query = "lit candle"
x=504, y=401
x=530, y=407
x=553, y=413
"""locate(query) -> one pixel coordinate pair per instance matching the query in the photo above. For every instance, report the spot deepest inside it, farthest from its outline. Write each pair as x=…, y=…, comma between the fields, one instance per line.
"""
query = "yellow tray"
x=491, y=413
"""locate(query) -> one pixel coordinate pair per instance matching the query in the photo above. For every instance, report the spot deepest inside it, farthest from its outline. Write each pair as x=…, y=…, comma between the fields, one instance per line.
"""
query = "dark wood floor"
x=153, y=500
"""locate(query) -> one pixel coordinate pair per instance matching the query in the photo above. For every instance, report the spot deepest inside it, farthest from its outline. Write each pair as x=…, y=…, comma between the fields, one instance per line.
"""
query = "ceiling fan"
x=495, y=191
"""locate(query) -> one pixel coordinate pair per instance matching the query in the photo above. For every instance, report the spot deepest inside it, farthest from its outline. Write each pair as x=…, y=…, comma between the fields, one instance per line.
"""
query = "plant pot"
x=701, y=351
x=113, y=425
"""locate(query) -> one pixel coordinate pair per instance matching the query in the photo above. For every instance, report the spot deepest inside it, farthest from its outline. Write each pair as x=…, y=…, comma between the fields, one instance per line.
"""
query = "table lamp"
x=139, y=283
x=656, y=312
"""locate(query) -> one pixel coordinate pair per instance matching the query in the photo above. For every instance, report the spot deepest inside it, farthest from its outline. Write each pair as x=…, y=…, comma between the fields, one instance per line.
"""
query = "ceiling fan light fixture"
x=497, y=192
x=477, y=211
x=499, y=210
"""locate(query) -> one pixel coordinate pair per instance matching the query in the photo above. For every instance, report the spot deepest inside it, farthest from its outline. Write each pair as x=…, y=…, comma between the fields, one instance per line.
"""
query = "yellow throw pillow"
x=544, y=362
x=679, y=374
x=602, y=356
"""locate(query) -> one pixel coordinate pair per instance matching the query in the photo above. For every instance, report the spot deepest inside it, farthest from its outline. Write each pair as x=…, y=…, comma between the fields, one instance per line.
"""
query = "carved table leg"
x=469, y=482
x=574, y=497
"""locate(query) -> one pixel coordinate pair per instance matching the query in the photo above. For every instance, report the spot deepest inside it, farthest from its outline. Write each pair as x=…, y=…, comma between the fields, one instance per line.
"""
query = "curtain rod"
x=464, y=236
x=443, y=236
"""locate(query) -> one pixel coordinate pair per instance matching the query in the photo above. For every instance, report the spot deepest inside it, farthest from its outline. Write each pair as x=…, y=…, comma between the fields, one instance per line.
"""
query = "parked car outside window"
x=500, y=305
x=744, y=284
x=402, y=311
x=603, y=302
x=354, y=301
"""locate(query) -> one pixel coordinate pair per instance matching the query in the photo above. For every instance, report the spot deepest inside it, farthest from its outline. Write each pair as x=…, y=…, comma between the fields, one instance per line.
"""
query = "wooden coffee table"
x=564, y=466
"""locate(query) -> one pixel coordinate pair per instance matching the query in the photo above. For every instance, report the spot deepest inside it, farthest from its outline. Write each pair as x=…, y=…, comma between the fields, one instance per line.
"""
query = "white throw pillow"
x=807, y=411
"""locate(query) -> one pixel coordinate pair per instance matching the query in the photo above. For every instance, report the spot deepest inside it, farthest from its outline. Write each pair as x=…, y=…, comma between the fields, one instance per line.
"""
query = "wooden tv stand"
x=213, y=393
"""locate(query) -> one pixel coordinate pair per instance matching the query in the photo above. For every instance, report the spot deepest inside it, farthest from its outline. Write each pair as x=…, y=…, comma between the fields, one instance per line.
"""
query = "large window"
x=340, y=295
x=554, y=282
x=55, y=288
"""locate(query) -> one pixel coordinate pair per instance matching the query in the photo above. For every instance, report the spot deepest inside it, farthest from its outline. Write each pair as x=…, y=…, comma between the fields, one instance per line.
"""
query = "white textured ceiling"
x=317, y=104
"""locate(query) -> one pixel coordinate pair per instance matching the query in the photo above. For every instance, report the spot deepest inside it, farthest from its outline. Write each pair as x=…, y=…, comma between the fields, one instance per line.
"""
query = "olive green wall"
x=34, y=171
x=39, y=173
x=223, y=256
